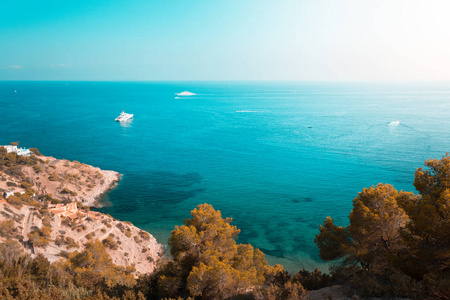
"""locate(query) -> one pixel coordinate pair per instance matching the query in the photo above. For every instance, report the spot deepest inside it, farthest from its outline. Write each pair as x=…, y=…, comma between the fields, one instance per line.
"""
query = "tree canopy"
x=396, y=235
x=207, y=261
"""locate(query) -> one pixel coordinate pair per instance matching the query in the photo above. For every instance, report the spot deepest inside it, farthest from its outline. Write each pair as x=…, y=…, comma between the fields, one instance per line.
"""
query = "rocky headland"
x=46, y=208
x=63, y=179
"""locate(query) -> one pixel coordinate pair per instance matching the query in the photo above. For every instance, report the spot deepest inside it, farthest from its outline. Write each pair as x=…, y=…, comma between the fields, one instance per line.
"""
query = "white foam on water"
x=394, y=123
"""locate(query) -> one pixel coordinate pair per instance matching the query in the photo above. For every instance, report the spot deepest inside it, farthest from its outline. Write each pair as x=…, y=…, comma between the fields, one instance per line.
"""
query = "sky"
x=148, y=40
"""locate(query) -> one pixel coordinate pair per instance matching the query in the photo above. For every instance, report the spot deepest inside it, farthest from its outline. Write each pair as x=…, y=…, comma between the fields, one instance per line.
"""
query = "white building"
x=19, y=151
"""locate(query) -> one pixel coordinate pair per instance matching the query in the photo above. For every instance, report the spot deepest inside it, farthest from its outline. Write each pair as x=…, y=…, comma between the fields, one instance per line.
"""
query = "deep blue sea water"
x=276, y=157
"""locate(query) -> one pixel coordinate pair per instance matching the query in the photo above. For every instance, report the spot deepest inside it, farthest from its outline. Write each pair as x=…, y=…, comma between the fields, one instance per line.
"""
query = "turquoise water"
x=276, y=157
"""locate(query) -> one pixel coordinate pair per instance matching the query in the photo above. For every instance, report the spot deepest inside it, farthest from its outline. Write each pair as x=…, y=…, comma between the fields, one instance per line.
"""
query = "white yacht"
x=124, y=117
x=185, y=93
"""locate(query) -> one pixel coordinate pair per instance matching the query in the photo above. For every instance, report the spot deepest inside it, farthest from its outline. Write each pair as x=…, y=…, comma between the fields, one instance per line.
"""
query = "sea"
x=277, y=157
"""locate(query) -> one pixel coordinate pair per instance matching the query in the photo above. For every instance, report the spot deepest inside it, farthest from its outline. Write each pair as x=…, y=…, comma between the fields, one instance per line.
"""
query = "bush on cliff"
x=7, y=228
x=36, y=151
x=40, y=237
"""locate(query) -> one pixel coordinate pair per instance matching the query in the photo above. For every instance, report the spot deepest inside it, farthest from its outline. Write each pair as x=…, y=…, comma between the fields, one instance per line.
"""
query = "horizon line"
x=238, y=80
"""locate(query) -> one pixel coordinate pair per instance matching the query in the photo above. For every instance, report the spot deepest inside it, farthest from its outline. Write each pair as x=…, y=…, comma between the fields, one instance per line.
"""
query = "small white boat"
x=186, y=93
x=124, y=117
x=394, y=123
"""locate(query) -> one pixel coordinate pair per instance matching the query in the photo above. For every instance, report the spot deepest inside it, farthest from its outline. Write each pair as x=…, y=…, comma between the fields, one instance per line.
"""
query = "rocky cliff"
x=44, y=216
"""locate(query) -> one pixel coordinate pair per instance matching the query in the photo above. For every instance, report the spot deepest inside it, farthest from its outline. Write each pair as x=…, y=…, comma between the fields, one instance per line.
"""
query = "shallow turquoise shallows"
x=276, y=157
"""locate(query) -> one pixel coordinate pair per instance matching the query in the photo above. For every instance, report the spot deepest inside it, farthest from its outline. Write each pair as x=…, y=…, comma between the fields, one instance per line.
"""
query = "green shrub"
x=35, y=151
x=40, y=237
x=81, y=227
x=120, y=226
x=144, y=235
x=5, y=214
x=53, y=177
x=313, y=280
x=26, y=185
x=37, y=168
x=46, y=221
x=65, y=222
x=70, y=243
x=67, y=241
x=110, y=243
x=15, y=200
x=7, y=228
x=59, y=240
x=67, y=191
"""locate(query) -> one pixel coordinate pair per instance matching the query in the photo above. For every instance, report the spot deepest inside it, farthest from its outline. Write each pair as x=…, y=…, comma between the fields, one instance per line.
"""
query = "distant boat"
x=124, y=117
x=394, y=123
x=15, y=91
x=185, y=93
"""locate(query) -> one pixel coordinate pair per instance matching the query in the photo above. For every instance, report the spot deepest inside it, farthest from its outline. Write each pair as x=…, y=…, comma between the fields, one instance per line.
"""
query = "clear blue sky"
x=225, y=40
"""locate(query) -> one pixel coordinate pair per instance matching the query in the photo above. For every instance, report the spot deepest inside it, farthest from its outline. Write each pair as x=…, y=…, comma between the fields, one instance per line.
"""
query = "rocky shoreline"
x=65, y=180
x=112, y=181
x=39, y=191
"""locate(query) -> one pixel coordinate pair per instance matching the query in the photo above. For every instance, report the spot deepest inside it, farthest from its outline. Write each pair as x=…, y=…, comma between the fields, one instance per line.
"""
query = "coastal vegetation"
x=396, y=245
x=208, y=263
x=88, y=274
x=11, y=163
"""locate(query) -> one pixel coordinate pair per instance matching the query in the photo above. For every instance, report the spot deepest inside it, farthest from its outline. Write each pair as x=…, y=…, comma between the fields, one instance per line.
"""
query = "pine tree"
x=208, y=263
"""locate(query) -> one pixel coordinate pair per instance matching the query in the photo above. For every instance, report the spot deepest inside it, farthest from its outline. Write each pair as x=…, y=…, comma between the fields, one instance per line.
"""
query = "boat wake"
x=397, y=123
x=394, y=123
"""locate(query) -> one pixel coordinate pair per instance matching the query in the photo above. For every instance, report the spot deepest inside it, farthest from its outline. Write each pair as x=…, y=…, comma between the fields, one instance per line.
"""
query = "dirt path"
x=105, y=235
x=27, y=221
